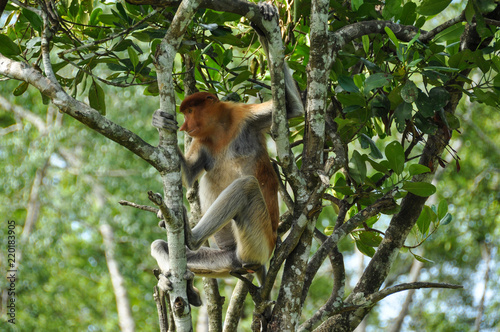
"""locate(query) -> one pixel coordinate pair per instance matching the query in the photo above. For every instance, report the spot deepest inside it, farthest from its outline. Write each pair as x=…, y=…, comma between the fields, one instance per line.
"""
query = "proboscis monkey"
x=238, y=185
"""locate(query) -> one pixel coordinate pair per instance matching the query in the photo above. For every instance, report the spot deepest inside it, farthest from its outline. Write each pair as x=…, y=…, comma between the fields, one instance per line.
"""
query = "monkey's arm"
x=294, y=106
x=196, y=161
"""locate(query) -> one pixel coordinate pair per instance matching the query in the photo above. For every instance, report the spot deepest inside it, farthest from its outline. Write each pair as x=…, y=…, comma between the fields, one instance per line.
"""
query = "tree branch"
x=380, y=295
x=426, y=36
x=81, y=111
x=138, y=206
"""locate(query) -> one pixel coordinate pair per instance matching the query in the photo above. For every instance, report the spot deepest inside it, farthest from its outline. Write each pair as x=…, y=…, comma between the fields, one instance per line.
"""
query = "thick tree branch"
x=318, y=69
x=350, y=32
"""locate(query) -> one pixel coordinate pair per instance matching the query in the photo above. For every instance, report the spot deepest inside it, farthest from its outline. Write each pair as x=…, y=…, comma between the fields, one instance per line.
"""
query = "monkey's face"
x=195, y=123
x=189, y=126
x=200, y=112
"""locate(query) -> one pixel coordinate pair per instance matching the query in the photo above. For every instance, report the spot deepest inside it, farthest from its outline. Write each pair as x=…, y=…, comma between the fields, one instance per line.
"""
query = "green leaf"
x=8, y=47
x=342, y=187
x=422, y=189
x=395, y=155
x=426, y=125
x=348, y=99
x=422, y=259
x=347, y=83
x=452, y=120
x=446, y=219
x=444, y=69
x=97, y=97
x=370, y=239
x=356, y=4
x=408, y=14
x=451, y=34
x=228, y=57
x=357, y=167
x=440, y=96
x=123, y=13
x=34, y=19
x=108, y=19
x=364, y=249
x=45, y=99
x=73, y=8
x=416, y=169
x=401, y=114
x=152, y=90
x=21, y=88
x=424, y=220
x=94, y=17
x=487, y=97
x=392, y=8
x=392, y=36
x=380, y=105
x=242, y=77
x=432, y=7
x=442, y=209
x=366, y=43
x=425, y=105
x=377, y=80
x=409, y=92
x=381, y=167
x=368, y=142
x=134, y=58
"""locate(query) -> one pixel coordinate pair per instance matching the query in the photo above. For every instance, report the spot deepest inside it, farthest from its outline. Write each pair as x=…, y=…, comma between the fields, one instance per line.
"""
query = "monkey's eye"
x=190, y=111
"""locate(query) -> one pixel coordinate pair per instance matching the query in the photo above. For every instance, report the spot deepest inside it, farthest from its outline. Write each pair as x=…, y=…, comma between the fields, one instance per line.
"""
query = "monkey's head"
x=199, y=114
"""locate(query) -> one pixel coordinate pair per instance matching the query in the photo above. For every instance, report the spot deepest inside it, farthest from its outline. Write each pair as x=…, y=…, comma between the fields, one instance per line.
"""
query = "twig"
x=22, y=5
x=100, y=41
x=158, y=201
x=376, y=297
x=120, y=85
x=138, y=206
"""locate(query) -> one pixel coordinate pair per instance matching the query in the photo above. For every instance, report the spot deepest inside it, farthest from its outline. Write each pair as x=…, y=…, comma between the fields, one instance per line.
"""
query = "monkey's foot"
x=164, y=283
x=193, y=294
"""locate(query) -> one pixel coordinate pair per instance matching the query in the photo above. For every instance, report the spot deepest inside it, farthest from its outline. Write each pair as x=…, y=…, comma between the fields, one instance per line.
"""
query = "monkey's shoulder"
x=248, y=142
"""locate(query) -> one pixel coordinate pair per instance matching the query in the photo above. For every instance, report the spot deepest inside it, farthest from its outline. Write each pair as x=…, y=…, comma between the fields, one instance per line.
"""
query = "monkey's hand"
x=163, y=120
